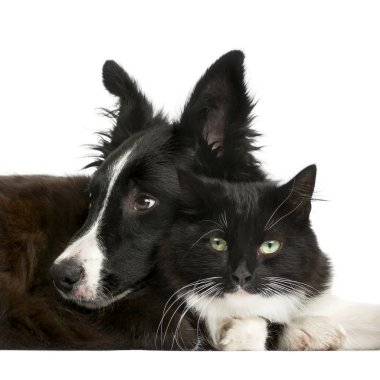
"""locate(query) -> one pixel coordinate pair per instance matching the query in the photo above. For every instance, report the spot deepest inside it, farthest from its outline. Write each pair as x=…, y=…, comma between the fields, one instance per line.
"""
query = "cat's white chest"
x=215, y=312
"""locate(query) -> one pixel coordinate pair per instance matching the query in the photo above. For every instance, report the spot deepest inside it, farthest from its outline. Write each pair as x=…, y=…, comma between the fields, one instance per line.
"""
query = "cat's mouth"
x=240, y=291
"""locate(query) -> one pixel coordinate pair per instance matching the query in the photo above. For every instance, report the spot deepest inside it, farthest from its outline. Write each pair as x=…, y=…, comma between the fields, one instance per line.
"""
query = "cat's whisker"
x=207, y=233
x=182, y=296
x=274, y=212
x=307, y=288
x=223, y=219
x=292, y=281
x=194, y=284
x=301, y=290
x=288, y=288
x=206, y=281
x=294, y=304
x=212, y=221
x=267, y=292
x=203, y=295
x=290, y=212
x=217, y=293
x=285, y=288
x=163, y=338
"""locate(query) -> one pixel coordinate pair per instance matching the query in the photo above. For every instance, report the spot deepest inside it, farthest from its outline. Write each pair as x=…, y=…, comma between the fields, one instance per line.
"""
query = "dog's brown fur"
x=38, y=216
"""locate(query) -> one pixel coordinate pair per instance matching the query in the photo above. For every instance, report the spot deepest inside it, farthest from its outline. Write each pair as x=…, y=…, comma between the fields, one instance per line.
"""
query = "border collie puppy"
x=134, y=190
x=133, y=197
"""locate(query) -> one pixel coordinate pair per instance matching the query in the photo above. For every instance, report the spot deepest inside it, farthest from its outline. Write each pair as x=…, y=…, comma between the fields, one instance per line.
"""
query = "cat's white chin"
x=241, y=293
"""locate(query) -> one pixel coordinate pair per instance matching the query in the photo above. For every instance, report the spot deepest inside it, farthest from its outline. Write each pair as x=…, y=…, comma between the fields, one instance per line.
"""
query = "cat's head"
x=245, y=239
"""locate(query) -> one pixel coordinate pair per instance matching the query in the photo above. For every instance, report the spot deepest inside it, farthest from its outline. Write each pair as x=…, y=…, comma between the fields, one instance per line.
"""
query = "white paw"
x=243, y=335
x=312, y=333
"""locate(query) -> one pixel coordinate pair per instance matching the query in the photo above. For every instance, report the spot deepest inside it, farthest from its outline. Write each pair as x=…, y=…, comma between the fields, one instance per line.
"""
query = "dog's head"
x=135, y=189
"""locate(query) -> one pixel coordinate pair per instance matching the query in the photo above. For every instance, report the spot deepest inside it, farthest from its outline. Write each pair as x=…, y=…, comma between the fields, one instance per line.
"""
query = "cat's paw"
x=243, y=335
x=312, y=333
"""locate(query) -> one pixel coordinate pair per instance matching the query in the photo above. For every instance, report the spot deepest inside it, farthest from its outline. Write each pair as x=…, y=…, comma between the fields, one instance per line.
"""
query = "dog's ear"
x=215, y=122
x=133, y=113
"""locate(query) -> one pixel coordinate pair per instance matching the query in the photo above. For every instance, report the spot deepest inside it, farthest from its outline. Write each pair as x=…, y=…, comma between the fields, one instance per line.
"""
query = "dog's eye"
x=144, y=202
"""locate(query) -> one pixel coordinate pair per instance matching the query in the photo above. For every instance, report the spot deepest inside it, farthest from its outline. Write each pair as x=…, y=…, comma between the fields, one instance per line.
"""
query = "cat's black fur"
x=245, y=214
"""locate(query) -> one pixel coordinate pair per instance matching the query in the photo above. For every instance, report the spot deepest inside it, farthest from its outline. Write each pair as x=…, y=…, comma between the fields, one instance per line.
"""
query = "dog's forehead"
x=145, y=149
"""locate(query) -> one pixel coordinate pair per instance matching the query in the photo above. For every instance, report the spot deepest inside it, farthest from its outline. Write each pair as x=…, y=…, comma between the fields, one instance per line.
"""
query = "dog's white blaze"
x=216, y=312
x=87, y=249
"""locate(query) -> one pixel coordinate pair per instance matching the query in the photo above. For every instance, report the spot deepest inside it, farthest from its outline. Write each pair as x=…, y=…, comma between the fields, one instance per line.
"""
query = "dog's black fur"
x=212, y=137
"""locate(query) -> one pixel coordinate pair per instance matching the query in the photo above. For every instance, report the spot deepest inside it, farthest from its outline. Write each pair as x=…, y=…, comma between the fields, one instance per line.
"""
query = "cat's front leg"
x=312, y=333
x=243, y=334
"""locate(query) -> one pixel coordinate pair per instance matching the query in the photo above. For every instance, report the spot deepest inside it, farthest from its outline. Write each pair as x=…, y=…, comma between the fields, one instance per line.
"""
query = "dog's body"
x=38, y=217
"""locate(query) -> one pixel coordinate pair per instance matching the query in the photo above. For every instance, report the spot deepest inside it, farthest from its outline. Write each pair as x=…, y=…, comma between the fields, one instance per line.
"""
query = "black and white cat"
x=249, y=252
x=243, y=254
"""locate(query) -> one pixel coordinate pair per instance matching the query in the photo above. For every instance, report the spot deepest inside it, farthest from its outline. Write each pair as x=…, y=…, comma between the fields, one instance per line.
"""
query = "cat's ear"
x=133, y=111
x=298, y=194
x=215, y=122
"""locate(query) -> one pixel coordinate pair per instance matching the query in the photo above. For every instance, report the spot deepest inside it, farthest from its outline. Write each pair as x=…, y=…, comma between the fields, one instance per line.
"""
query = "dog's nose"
x=66, y=274
x=241, y=275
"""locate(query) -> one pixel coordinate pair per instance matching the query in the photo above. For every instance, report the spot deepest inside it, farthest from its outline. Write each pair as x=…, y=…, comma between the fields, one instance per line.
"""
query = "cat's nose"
x=66, y=274
x=241, y=275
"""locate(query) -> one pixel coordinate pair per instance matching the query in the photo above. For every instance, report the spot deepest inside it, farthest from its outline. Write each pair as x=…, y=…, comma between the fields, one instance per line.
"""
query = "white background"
x=314, y=66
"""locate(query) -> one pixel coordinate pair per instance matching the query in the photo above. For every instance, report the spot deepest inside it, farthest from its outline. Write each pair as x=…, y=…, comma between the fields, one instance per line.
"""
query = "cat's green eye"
x=218, y=244
x=270, y=246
